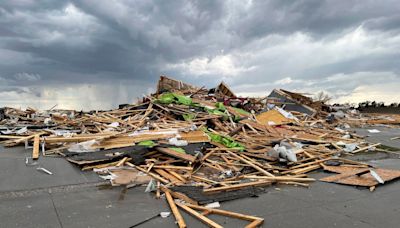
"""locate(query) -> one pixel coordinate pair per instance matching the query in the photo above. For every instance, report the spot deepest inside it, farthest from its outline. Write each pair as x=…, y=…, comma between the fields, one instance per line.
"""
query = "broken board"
x=358, y=176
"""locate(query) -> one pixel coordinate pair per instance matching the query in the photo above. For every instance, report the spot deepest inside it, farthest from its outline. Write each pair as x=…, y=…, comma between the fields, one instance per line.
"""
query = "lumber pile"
x=185, y=137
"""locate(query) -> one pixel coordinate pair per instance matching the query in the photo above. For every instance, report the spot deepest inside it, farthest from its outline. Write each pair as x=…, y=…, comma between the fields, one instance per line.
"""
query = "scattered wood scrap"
x=203, y=145
x=365, y=177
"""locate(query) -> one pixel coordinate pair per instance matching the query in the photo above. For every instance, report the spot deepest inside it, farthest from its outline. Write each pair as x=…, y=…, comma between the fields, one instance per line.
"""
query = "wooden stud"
x=122, y=161
x=36, y=143
x=251, y=164
x=175, y=211
x=237, y=186
x=199, y=216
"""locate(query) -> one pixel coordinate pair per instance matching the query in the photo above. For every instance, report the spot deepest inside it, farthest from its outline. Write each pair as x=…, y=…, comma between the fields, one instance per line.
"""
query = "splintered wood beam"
x=122, y=161
x=263, y=171
x=175, y=154
x=175, y=211
x=237, y=186
x=310, y=163
x=99, y=166
x=306, y=169
x=199, y=216
x=173, y=167
x=155, y=176
x=36, y=143
x=282, y=178
x=228, y=214
x=16, y=141
x=168, y=176
x=255, y=223
x=365, y=148
x=178, y=195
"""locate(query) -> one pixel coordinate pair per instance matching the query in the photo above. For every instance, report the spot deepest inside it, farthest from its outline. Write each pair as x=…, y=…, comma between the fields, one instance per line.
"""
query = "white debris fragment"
x=114, y=124
x=176, y=142
x=286, y=114
x=213, y=205
x=151, y=186
x=376, y=176
x=83, y=146
x=350, y=147
x=165, y=214
x=373, y=131
x=285, y=153
x=44, y=170
x=21, y=131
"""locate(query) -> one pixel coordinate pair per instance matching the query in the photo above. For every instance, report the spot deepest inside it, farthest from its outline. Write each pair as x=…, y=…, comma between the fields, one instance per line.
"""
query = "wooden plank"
x=14, y=142
x=175, y=211
x=122, y=161
x=281, y=178
x=207, y=180
x=175, y=154
x=175, y=174
x=155, y=176
x=168, y=176
x=173, y=167
x=337, y=177
x=365, y=148
x=11, y=137
x=199, y=216
x=255, y=223
x=306, y=169
x=237, y=186
x=251, y=164
x=179, y=195
x=99, y=166
x=36, y=143
x=310, y=163
x=225, y=213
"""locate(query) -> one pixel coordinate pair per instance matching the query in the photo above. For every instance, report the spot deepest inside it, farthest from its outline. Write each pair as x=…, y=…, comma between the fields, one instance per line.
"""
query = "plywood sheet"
x=349, y=176
x=129, y=176
x=272, y=117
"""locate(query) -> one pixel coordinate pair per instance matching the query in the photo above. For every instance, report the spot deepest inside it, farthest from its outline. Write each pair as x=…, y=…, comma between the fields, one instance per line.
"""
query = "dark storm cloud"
x=109, y=43
x=312, y=16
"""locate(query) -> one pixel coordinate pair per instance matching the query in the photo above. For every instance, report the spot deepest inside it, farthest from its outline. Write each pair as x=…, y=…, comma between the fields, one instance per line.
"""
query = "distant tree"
x=373, y=104
x=363, y=104
x=323, y=97
x=381, y=104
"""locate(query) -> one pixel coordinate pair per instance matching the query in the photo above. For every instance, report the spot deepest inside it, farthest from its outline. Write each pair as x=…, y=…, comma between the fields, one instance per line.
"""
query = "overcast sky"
x=90, y=54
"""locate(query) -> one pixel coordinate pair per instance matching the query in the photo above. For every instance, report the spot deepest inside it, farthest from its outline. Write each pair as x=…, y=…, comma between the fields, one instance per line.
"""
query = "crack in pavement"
x=55, y=209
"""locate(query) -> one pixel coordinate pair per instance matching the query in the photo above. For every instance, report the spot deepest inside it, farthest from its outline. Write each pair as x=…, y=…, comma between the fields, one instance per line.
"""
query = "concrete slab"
x=313, y=217
x=16, y=175
x=272, y=202
x=378, y=210
x=321, y=193
x=26, y=212
x=15, y=152
x=106, y=208
x=382, y=137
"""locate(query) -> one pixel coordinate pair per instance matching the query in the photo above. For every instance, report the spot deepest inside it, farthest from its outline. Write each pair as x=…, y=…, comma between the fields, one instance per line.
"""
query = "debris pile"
x=200, y=146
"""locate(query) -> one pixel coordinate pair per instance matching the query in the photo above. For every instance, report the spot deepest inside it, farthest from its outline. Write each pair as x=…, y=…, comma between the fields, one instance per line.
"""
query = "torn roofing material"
x=290, y=103
x=166, y=84
x=224, y=90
